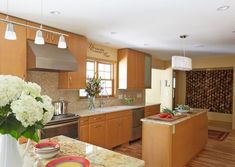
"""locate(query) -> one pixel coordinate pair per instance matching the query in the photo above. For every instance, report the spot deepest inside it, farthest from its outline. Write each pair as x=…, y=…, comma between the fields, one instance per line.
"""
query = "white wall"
x=153, y=95
x=160, y=92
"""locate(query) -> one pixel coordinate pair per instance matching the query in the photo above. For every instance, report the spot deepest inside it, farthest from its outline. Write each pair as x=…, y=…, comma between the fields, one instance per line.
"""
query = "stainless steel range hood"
x=49, y=58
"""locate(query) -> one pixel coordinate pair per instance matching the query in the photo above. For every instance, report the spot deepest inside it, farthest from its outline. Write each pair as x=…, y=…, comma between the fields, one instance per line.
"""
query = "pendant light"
x=62, y=43
x=182, y=63
x=39, y=37
x=9, y=33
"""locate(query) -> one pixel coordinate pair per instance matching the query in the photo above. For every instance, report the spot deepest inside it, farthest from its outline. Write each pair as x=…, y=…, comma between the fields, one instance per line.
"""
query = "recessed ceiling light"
x=55, y=12
x=223, y=8
x=113, y=32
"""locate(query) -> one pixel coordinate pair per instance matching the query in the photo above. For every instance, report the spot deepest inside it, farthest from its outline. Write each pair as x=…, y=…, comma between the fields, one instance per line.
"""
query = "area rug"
x=217, y=135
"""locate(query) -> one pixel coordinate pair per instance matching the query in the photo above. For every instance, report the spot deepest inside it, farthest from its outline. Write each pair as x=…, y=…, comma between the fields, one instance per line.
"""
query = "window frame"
x=96, y=74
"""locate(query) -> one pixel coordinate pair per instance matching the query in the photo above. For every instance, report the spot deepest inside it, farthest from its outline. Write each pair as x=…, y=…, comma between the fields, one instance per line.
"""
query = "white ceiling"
x=157, y=23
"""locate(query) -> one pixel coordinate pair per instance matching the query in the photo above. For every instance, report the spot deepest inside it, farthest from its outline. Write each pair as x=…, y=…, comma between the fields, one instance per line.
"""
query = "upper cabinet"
x=134, y=69
x=148, y=71
x=13, y=52
x=78, y=46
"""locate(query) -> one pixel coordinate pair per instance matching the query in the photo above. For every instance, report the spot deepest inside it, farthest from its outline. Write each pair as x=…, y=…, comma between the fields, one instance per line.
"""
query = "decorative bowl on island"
x=46, y=150
x=182, y=108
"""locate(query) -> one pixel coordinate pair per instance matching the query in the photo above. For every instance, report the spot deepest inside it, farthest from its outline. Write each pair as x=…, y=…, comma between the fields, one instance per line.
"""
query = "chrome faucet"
x=102, y=102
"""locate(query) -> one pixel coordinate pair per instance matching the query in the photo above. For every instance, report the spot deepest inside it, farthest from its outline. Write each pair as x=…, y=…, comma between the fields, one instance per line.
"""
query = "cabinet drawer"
x=118, y=114
x=97, y=118
x=84, y=120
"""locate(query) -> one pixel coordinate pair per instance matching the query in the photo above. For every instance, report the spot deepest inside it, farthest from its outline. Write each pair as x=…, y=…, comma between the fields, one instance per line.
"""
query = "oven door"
x=69, y=129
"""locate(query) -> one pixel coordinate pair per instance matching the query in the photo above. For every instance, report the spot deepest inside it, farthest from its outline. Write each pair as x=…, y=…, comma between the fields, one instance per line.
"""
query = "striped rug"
x=217, y=135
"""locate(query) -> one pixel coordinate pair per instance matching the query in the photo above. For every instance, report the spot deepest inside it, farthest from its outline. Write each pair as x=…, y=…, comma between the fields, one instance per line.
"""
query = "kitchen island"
x=98, y=157
x=173, y=144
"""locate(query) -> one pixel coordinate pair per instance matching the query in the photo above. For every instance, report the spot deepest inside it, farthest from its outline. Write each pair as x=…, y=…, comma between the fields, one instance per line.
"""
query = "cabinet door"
x=84, y=133
x=148, y=71
x=13, y=52
x=125, y=129
x=75, y=80
x=97, y=134
x=113, y=132
x=140, y=71
x=131, y=70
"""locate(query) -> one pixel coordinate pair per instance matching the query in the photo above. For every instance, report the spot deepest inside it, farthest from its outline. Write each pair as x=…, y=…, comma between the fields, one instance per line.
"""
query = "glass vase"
x=91, y=103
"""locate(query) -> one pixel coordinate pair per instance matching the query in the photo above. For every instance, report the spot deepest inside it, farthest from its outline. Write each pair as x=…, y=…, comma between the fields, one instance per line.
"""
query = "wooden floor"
x=215, y=154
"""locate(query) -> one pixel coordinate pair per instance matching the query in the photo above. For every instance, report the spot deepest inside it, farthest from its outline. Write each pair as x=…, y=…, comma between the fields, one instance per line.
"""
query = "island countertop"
x=98, y=157
x=193, y=113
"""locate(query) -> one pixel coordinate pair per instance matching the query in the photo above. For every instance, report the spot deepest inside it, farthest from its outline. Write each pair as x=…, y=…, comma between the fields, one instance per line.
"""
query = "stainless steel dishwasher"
x=137, y=115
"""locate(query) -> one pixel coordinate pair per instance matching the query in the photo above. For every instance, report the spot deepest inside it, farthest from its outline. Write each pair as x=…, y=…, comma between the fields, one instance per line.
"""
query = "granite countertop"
x=193, y=113
x=98, y=157
x=104, y=110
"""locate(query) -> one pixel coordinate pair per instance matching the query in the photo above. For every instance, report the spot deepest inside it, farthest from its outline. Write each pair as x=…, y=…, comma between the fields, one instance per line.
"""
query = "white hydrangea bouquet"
x=23, y=110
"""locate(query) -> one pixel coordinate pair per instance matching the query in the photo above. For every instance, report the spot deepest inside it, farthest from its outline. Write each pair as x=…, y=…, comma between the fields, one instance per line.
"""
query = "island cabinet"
x=134, y=69
x=78, y=46
x=175, y=143
x=13, y=52
x=151, y=110
x=106, y=130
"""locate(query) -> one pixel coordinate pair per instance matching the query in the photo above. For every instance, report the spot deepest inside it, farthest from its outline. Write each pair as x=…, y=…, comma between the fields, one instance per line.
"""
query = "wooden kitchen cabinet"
x=97, y=133
x=126, y=123
x=84, y=129
x=77, y=45
x=113, y=132
x=13, y=52
x=134, y=69
x=118, y=128
x=106, y=130
x=151, y=110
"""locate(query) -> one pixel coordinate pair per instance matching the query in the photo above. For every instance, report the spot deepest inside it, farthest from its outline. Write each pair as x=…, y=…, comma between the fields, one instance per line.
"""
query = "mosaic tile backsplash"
x=49, y=83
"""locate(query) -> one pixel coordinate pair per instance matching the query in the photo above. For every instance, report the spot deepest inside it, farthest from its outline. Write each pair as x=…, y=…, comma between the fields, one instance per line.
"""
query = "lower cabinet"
x=113, y=132
x=106, y=130
x=126, y=123
x=97, y=134
x=84, y=133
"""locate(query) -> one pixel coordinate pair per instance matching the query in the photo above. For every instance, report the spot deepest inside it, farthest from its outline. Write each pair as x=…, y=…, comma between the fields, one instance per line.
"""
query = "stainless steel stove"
x=64, y=124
